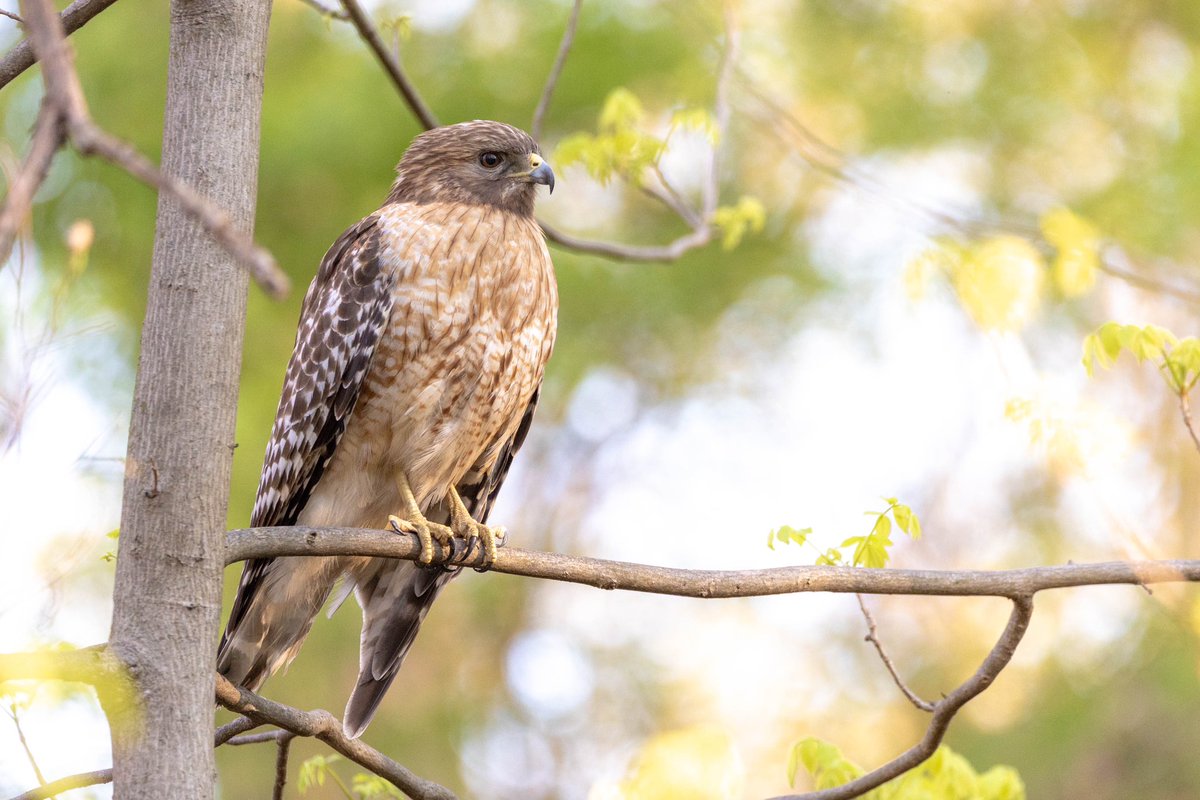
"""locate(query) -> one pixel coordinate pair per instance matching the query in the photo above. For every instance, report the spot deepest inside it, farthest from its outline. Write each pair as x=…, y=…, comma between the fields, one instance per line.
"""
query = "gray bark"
x=167, y=601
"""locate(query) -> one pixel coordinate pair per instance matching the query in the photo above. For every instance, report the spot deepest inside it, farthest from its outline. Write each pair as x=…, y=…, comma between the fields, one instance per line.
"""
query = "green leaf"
x=907, y=520
x=735, y=221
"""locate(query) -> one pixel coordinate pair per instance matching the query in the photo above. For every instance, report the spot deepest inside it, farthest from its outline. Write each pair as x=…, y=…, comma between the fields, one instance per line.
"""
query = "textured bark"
x=168, y=592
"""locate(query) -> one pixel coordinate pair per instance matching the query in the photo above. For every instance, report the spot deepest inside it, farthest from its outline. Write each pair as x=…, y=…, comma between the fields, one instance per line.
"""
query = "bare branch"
x=12, y=16
x=721, y=111
x=48, y=137
x=228, y=732
x=873, y=637
x=257, y=738
x=324, y=726
x=259, y=263
x=15, y=716
x=560, y=60
x=370, y=34
x=66, y=784
x=631, y=252
x=944, y=711
x=66, y=109
x=283, y=746
x=1185, y=407
x=327, y=11
x=74, y=17
x=91, y=665
x=602, y=574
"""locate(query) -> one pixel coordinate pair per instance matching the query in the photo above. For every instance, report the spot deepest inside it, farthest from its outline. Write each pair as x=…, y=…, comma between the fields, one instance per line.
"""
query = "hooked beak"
x=540, y=172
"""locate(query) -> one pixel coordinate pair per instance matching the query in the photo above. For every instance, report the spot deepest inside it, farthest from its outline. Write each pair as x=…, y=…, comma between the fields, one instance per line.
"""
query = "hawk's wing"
x=344, y=312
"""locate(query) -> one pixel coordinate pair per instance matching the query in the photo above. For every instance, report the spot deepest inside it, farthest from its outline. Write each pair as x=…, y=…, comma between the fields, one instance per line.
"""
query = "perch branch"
x=603, y=574
x=390, y=63
x=21, y=57
x=560, y=60
x=943, y=712
x=873, y=637
x=324, y=726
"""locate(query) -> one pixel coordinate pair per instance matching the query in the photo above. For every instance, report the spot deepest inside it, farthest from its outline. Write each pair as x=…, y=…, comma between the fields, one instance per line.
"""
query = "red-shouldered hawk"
x=420, y=352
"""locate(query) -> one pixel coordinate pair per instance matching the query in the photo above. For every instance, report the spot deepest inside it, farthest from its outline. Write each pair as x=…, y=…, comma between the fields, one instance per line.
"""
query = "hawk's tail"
x=395, y=597
x=276, y=603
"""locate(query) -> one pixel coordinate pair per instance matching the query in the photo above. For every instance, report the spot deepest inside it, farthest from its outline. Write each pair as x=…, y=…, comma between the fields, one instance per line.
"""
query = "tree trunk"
x=167, y=601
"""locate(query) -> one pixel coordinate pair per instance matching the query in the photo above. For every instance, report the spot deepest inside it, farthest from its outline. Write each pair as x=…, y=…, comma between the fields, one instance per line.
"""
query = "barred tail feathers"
x=395, y=597
x=273, y=613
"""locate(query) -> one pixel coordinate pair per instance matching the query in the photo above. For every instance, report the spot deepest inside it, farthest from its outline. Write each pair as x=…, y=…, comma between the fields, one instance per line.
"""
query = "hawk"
x=418, y=360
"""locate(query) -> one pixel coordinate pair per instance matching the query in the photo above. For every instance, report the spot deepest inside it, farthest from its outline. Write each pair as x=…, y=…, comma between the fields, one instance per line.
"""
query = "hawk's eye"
x=490, y=160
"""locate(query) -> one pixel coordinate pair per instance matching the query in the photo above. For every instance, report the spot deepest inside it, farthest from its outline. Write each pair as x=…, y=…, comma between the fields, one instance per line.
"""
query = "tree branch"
x=943, y=713
x=1185, y=408
x=65, y=113
x=630, y=252
x=390, y=63
x=48, y=137
x=226, y=734
x=74, y=17
x=560, y=60
x=873, y=637
x=66, y=784
x=324, y=726
x=603, y=574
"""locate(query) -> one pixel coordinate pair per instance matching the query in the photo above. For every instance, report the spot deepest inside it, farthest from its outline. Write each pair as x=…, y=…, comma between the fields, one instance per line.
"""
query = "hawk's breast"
x=471, y=329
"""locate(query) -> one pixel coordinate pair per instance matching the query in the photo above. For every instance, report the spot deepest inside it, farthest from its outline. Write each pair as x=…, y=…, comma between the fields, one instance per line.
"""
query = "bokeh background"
x=692, y=407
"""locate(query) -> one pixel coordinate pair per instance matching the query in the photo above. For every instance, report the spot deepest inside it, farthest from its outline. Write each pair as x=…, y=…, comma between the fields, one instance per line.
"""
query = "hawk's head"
x=480, y=162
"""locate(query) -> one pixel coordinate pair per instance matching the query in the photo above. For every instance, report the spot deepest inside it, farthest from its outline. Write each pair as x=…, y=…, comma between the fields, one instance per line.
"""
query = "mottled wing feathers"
x=344, y=312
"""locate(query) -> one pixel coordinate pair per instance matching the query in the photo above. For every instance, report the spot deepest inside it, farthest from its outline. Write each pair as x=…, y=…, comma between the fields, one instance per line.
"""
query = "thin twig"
x=16, y=718
x=90, y=140
x=48, y=134
x=560, y=60
x=721, y=111
x=74, y=17
x=322, y=725
x=64, y=99
x=256, y=738
x=66, y=784
x=873, y=637
x=327, y=11
x=283, y=746
x=603, y=574
x=944, y=711
x=1186, y=409
x=229, y=731
x=11, y=16
x=370, y=34
x=630, y=252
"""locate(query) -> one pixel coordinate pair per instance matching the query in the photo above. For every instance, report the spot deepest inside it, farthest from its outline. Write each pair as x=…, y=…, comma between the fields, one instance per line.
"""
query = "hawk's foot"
x=466, y=527
x=414, y=521
x=427, y=532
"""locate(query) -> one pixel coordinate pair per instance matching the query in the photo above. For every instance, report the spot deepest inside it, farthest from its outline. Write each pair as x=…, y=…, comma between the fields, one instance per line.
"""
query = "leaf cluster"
x=944, y=776
x=870, y=550
x=1178, y=359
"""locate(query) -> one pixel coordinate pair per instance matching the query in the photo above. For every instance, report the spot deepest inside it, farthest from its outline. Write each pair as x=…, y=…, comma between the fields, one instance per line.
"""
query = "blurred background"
x=692, y=407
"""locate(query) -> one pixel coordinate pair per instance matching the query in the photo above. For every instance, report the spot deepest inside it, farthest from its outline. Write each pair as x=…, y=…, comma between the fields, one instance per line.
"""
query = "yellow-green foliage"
x=620, y=147
x=1077, y=245
x=998, y=280
x=1178, y=359
x=945, y=776
x=871, y=550
x=735, y=221
x=699, y=763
